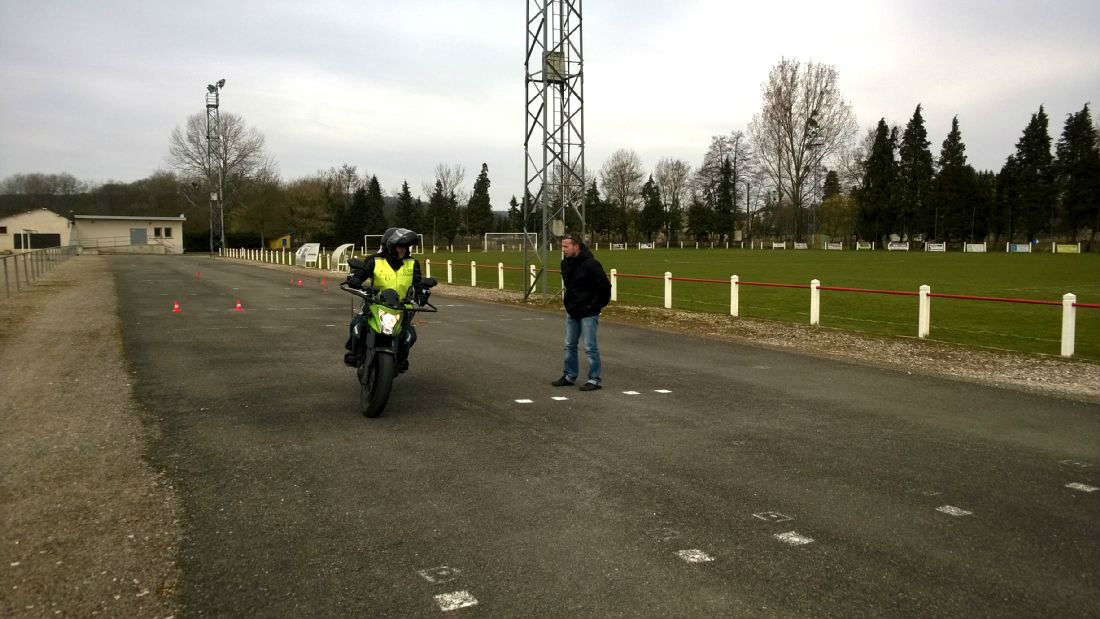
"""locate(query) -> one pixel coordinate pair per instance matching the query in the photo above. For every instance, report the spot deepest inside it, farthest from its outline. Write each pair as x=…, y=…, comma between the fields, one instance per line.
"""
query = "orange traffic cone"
x=238, y=308
x=322, y=280
x=299, y=283
x=176, y=307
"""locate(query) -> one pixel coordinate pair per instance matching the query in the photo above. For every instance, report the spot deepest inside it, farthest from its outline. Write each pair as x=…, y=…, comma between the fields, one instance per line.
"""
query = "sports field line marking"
x=953, y=511
x=772, y=517
x=793, y=538
x=524, y=401
x=454, y=601
x=440, y=574
x=1082, y=487
x=694, y=555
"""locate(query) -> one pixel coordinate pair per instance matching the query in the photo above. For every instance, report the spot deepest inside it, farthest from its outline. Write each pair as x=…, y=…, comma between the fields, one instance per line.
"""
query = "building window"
x=156, y=233
x=167, y=233
x=3, y=229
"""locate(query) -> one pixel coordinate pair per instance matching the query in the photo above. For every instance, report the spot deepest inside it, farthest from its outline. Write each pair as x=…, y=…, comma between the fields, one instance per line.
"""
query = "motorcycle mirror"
x=428, y=282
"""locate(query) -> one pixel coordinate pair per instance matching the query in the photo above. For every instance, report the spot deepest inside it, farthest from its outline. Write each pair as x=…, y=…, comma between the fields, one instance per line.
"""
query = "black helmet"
x=397, y=236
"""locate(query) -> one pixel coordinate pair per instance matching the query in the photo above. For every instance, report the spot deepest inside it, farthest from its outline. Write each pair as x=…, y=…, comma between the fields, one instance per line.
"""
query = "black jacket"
x=587, y=289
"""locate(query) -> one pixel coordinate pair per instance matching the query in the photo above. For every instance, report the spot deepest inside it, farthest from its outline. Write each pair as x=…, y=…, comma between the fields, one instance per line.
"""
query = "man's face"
x=401, y=251
x=570, y=248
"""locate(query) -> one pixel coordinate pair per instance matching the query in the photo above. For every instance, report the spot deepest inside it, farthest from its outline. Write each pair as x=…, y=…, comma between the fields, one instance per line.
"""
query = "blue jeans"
x=575, y=328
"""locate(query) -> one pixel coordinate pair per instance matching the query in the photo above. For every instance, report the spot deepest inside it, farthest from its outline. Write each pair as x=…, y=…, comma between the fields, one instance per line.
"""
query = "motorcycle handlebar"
x=368, y=297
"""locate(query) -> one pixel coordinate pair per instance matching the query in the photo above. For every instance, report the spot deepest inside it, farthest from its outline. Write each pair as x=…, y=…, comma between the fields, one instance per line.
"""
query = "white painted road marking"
x=694, y=555
x=793, y=538
x=631, y=393
x=454, y=601
x=559, y=398
x=954, y=511
x=772, y=517
x=1081, y=465
x=1082, y=487
x=436, y=575
x=662, y=391
x=524, y=401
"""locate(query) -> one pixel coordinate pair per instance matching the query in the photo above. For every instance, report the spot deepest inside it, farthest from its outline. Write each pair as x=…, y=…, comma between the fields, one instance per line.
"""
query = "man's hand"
x=354, y=281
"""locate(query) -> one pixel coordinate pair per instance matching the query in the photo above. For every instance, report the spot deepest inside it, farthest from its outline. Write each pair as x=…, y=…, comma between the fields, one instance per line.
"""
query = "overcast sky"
x=95, y=88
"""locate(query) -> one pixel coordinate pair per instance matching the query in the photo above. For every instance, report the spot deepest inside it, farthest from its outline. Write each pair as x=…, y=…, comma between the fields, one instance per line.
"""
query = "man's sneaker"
x=563, y=382
x=349, y=359
x=590, y=386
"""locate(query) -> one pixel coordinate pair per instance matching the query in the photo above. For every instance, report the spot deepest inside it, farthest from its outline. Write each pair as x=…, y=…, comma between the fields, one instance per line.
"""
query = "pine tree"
x=376, y=215
x=700, y=219
x=652, y=216
x=406, y=215
x=358, y=216
x=915, y=211
x=450, y=220
x=515, y=215
x=831, y=187
x=954, y=201
x=724, y=198
x=1078, y=168
x=876, y=191
x=437, y=213
x=479, y=212
x=596, y=212
x=1036, y=197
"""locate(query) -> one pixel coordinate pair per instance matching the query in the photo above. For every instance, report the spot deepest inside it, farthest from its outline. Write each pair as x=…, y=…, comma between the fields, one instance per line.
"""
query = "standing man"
x=587, y=291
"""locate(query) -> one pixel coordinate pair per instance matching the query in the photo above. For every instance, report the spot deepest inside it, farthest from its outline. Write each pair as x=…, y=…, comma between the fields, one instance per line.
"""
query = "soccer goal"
x=494, y=240
x=373, y=242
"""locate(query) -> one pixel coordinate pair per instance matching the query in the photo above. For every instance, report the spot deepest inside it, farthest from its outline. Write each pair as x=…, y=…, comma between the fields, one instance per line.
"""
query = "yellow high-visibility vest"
x=400, y=280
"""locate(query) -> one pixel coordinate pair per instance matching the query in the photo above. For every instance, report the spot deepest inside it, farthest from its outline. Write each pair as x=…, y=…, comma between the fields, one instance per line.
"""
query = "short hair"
x=573, y=236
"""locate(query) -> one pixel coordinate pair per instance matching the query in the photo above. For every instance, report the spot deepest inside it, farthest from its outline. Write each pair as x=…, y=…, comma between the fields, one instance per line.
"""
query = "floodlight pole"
x=215, y=162
x=554, y=173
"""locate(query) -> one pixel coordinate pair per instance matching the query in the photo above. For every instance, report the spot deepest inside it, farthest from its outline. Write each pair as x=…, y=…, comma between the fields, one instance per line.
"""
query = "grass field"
x=1027, y=328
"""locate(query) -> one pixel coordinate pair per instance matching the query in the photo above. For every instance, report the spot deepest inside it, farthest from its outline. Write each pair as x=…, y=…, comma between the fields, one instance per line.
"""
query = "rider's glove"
x=354, y=281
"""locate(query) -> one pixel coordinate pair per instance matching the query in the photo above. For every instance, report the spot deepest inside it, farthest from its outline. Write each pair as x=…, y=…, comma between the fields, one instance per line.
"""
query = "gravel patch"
x=1042, y=374
x=88, y=527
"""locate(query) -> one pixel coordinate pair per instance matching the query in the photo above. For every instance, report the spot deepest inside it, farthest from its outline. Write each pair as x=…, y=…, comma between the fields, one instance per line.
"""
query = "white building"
x=125, y=234
x=34, y=229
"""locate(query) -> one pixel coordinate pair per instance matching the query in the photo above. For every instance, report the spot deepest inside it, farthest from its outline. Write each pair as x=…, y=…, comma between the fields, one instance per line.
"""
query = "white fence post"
x=1069, y=323
x=450, y=272
x=467, y=248
x=924, y=312
x=815, y=302
x=500, y=275
x=473, y=273
x=614, y=284
x=532, y=284
x=427, y=267
x=668, y=290
x=734, y=301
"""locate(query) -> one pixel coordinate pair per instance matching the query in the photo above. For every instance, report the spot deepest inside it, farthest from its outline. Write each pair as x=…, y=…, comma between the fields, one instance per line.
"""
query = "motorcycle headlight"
x=388, y=321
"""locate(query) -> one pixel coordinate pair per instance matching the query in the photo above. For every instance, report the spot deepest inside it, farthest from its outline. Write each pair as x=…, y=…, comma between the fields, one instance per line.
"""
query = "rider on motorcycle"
x=391, y=267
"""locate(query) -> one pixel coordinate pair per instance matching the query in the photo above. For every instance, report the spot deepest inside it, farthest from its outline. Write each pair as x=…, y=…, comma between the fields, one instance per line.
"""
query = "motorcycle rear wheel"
x=375, y=384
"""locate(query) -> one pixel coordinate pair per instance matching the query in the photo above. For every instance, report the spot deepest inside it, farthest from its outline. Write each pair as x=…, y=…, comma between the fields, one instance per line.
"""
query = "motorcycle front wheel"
x=374, y=385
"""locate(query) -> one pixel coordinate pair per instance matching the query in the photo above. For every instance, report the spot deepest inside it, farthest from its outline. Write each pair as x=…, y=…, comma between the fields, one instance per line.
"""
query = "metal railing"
x=23, y=269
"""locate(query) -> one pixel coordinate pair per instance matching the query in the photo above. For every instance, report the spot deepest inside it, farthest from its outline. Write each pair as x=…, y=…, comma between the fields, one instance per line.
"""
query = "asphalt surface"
x=295, y=505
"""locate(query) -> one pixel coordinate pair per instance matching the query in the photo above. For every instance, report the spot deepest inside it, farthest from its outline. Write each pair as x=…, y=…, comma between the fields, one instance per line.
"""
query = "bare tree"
x=450, y=178
x=621, y=180
x=37, y=183
x=673, y=177
x=803, y=121
x=242, y=157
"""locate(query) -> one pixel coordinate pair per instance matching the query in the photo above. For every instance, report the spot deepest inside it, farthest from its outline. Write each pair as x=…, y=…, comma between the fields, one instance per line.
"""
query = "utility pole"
x=553, y=139
x=215, y=162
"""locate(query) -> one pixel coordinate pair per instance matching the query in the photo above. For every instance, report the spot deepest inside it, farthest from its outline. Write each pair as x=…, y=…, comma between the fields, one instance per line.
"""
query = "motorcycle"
x=382, y=348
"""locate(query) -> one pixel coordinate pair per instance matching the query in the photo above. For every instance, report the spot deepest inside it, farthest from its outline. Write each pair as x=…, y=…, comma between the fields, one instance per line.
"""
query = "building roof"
x=132, y=217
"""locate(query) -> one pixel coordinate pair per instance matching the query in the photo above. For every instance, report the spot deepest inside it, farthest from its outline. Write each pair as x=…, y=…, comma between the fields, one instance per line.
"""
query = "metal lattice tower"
x=553, y=142
x=214, y=163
